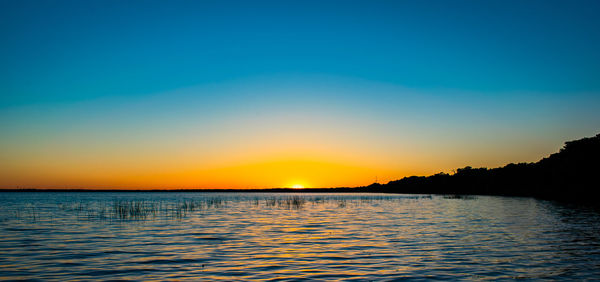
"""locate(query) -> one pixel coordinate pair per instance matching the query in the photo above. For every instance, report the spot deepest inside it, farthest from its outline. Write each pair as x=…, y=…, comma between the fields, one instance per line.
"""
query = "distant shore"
x=570, y=174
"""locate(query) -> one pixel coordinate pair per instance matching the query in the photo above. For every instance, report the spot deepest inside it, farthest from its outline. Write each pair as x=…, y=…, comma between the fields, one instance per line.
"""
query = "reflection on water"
x=209, y=236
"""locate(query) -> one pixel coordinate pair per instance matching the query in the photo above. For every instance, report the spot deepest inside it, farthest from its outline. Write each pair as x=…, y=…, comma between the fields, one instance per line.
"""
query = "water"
x=208, y=236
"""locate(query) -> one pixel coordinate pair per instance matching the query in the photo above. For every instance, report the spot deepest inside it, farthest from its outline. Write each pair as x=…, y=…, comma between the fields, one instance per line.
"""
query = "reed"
x=149, y=208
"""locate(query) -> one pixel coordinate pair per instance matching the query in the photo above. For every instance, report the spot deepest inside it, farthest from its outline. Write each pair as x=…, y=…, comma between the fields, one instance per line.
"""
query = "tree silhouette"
x=571, y=174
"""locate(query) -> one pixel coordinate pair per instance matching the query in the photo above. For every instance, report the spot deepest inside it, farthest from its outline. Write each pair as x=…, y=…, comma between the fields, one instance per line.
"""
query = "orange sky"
x=206, y=94
x=176, y=140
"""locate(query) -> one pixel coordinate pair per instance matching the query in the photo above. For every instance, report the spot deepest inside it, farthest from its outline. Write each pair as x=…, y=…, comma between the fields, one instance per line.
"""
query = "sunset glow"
x=268, y=95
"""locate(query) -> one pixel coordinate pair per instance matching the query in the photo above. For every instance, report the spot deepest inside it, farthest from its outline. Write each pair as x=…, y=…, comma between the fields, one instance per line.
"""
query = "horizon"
x=293, y=188
x=238, y=95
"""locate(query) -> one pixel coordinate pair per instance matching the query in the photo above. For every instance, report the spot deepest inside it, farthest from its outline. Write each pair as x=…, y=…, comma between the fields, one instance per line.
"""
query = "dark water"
x=198, y=236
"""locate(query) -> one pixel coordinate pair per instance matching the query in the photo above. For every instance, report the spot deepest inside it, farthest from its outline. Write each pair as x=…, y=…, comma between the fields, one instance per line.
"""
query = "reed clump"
x=149, y=208
x=133, y=209
x=140, y=209
x=290, y=202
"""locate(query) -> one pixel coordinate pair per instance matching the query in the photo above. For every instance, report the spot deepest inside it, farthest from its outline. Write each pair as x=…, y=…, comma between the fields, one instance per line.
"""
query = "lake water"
x=262, y=236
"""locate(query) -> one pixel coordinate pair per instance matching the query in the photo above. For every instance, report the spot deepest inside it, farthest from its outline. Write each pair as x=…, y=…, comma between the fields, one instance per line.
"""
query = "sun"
x=297, y=186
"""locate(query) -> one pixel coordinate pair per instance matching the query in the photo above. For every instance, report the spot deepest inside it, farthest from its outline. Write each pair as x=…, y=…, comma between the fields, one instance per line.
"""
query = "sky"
x=258, y=94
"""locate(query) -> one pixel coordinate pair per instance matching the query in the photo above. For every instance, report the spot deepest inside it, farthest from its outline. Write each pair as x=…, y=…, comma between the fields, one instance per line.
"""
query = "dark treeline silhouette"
x=571, y=174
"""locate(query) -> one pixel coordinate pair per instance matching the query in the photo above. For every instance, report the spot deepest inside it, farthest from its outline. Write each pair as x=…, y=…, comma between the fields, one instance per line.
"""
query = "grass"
x=139, y=209
x=146, y=209
x=290, y=202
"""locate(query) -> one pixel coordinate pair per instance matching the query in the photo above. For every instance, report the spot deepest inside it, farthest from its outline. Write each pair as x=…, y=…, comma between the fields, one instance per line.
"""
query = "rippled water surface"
x=212, y=236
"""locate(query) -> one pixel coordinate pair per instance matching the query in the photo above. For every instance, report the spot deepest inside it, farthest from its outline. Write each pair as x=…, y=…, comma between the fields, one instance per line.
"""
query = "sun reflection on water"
x=262, y=236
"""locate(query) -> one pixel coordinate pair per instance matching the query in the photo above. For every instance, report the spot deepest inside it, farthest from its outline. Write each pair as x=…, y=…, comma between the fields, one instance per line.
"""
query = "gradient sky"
x=247, y=94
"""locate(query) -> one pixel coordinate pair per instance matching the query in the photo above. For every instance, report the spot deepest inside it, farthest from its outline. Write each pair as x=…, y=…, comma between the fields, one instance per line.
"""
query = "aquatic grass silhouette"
x=289, y=202
x=134, y=209
x=141, y=209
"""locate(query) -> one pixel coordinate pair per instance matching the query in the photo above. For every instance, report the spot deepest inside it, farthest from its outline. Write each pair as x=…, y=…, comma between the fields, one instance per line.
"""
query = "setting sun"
x=297, y=186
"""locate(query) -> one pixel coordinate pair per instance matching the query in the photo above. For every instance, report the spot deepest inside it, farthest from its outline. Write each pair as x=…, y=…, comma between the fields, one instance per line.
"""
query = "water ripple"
x=293, y=237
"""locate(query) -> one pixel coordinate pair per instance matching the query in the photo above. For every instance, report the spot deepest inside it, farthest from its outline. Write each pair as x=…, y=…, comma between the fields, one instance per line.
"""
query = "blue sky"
x=71, y=50
x=485, y=76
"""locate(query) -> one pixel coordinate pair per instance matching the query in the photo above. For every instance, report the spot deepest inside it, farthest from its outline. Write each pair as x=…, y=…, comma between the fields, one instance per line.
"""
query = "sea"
x=196, y=236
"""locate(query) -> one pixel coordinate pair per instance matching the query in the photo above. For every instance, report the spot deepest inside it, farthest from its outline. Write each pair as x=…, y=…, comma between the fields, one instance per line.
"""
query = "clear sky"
x=247, y=94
